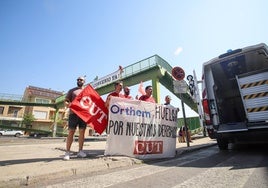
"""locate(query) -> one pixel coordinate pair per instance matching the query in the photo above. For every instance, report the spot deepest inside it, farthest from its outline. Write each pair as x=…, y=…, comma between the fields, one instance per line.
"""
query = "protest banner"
x=140, y=129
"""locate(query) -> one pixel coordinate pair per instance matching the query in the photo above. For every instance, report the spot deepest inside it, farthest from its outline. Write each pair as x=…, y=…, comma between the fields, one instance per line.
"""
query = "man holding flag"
x=86, y=108
x=74, y=120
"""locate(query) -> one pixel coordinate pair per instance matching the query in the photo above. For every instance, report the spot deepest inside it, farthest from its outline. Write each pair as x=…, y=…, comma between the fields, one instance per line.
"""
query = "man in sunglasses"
x=75, y=121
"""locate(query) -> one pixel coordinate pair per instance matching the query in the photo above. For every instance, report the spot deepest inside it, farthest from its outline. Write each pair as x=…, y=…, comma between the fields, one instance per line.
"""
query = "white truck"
x=235, y=95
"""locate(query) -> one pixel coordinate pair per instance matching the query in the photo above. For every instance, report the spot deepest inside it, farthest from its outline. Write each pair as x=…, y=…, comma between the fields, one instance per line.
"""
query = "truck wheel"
x=222, y=144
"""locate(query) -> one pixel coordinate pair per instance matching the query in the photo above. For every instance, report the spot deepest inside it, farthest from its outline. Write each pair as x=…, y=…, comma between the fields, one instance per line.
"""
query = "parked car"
x=38, y=134
x=10, y=132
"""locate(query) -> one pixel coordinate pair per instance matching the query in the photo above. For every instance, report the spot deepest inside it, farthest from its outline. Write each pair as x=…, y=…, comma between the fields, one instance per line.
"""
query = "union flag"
x=90, y=107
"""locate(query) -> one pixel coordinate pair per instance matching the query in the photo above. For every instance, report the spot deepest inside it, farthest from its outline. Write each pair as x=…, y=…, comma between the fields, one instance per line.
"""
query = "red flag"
x=90, y=107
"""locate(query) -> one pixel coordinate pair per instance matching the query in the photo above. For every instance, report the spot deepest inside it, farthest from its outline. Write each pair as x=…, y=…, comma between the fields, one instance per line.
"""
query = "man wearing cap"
x=75, y=121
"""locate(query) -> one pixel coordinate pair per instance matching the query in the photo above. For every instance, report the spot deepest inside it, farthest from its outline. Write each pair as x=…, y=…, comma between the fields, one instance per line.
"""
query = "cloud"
x=178, y=51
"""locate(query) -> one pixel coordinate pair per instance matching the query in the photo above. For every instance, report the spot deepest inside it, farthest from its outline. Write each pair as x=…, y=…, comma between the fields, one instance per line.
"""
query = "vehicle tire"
x=1, y=134
x=222, y=143
x=17, y=134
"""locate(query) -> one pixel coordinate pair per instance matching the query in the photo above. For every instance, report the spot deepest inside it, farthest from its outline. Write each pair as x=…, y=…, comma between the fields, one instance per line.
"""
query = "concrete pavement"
x=22, y=165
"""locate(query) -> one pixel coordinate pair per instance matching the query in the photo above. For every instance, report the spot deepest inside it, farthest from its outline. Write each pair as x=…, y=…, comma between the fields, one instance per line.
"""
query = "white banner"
x=140, y=129
x=107, y=79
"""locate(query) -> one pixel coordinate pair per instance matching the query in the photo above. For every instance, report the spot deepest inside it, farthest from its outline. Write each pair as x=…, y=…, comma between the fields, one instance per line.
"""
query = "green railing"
x=144, y=65
x=10, y=97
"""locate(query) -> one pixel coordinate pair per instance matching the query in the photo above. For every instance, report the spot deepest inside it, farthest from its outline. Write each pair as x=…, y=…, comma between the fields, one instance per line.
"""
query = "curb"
x=96, y=164
x=106, y=163
x=193, y=148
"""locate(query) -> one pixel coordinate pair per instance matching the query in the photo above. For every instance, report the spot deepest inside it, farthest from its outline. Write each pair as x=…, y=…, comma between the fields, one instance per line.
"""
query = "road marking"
x=230, y=173
x=114, y=178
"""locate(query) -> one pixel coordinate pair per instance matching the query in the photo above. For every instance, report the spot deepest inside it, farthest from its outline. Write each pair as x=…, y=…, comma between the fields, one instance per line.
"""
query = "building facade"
x=11, y=115
x=44, y=114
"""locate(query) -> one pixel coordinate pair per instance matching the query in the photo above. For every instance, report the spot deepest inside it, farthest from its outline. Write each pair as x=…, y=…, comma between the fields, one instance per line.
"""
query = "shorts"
x=75, y=121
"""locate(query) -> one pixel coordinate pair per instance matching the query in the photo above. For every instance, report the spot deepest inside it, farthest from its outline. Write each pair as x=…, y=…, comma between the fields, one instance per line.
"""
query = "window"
x=43, y=101
x=40, y=114
x=1, y=109
x=15, y=113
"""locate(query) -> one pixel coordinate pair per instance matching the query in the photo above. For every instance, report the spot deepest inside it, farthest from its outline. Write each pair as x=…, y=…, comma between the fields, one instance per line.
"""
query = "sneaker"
x=81, y=154
x=66, y=156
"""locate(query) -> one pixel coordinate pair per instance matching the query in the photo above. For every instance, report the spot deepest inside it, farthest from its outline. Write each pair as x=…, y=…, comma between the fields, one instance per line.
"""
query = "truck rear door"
x=254, y=93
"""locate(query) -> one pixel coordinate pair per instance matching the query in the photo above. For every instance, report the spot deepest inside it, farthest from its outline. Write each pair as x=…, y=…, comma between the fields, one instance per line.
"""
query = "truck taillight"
x=206, y=111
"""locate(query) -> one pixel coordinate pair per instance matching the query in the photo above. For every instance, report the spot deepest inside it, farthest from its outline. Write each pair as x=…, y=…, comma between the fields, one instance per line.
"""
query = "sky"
x=49, y=43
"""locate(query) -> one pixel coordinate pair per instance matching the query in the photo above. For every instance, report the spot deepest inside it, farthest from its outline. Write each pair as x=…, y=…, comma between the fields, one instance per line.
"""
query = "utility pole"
x=180, y=86
x=185, y=122
x=54, y=131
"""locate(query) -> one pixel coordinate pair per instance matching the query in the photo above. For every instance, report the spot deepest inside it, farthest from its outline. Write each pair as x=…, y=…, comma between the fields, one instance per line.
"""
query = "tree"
x=28, y=119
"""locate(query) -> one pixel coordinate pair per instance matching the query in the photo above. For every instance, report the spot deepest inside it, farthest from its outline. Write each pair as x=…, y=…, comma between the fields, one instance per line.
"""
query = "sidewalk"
x=20, y=166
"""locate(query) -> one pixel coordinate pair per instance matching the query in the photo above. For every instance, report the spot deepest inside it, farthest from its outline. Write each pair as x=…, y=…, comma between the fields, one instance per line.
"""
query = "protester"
x=75, y=121
x=185, y=130
x=181, y=135
x=148, y=95
x=168, y=101
x=127, y=93
x=116, y=93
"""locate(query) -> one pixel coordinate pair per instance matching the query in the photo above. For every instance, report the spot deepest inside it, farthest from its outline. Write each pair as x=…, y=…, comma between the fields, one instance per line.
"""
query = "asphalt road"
x=242, y=166
x=12, y=140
